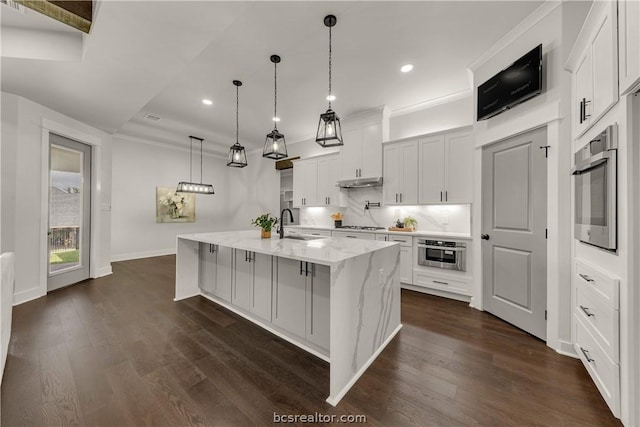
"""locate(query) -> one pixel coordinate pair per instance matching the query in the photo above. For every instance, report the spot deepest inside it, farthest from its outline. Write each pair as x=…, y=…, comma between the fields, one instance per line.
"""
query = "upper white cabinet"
x=400, y=172
x=593, y=63
x=314, y=181
x=362, y=152
x=445, y=169
x=629, y=47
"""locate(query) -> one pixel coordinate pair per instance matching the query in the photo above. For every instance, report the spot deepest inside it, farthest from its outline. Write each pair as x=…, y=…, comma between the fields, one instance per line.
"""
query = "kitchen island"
x=336, y=298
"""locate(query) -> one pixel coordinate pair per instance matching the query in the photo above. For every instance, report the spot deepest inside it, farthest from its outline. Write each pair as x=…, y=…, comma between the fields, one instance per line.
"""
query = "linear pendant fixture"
x=194, y=187
x=275, y=146
x=237, y=155
x=329, y=131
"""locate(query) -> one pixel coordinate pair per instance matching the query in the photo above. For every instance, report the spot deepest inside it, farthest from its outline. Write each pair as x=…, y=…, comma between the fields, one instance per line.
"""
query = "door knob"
x=484, y=236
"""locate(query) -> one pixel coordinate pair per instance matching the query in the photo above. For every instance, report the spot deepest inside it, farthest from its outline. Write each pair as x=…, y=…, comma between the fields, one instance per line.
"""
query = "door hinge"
x=545, y=315
x=546, y=150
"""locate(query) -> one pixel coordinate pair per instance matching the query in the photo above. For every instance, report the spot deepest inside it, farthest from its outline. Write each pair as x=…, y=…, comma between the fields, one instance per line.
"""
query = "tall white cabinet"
x=314, y=181
x=629, y=46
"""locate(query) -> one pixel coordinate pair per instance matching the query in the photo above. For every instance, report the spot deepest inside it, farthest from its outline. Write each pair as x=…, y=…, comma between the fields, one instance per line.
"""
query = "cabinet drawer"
x=289, y=230
x=440, y=283
x=604, y=372
x=403, y=240
x=601, y=283
x=601, y=320
x=354, y=235
x=316, y=232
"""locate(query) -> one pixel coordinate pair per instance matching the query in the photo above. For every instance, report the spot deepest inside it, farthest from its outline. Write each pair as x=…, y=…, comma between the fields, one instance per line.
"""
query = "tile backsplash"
x=450, y=218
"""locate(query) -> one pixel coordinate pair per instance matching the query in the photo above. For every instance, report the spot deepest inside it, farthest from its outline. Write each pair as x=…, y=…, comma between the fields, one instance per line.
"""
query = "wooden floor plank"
x=118, y=351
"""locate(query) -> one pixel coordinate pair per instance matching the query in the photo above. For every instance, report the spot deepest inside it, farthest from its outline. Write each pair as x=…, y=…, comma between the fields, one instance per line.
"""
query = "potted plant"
x=410, y=223
x=266, y=223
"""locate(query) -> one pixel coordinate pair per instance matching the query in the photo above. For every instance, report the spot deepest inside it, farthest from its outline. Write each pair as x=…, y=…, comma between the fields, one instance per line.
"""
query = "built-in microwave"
x=442, y=254
x=595, y=174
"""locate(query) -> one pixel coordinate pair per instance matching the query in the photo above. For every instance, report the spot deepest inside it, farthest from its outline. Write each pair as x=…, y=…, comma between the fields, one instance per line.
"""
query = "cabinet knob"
x=484, y=236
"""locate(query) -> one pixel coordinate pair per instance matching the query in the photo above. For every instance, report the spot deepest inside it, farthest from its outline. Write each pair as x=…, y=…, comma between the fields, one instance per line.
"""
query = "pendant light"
x=329, y=131
x=194, y=187
x=237, y=155
x=274, y=145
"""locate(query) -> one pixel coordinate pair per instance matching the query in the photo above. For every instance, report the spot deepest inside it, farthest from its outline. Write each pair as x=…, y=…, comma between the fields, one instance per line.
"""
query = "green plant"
x=265, y=221
x=410, y=222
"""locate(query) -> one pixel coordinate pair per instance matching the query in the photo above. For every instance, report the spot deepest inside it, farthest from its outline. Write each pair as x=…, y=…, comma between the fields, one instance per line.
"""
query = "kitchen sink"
x=303, y=237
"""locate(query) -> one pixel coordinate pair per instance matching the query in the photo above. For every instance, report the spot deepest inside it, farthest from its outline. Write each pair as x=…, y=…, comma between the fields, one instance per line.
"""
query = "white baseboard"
x=144, y=254
x=104, y=271
x=438, y=293
x=333, y=400
x=26, y=296
x=566, y=349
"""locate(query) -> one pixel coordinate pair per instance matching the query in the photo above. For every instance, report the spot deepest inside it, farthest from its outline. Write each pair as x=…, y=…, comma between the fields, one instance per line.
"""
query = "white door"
x=514, y=217
x=311, y=184
x=207, y=267
x=351, y=153
x=431, y=170
x=583, y=82
x=224, y=272
x=409, y=173
x=243, y=282
x=69, y=212
x=262, y=280
x=605, y=67
x=289, y=293
x=391, y=177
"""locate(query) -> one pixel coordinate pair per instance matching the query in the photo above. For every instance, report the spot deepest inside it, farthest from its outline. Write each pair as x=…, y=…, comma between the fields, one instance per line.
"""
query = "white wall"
x=449, y=115
x=25, y=127
x=138, y=168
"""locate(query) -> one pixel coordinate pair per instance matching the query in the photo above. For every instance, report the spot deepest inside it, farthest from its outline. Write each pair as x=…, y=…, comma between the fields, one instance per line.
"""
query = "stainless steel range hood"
x=360, y=182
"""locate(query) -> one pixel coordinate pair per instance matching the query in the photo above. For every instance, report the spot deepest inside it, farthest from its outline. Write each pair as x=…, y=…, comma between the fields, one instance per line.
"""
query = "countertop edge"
x=445, y=234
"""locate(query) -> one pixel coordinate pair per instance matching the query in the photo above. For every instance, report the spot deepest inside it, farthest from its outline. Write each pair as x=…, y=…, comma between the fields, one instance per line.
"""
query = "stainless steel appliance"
x=442, y=254
x=596, y=191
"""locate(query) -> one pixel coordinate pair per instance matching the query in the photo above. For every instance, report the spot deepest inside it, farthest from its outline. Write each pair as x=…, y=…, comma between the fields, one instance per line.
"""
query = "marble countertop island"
x=334, y=297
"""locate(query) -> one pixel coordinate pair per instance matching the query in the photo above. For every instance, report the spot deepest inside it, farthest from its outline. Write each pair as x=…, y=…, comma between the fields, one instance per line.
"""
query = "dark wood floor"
x=118, y=351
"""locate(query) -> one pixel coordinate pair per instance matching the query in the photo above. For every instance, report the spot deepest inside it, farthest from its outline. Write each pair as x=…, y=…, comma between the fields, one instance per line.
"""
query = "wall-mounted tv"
x=515, y=84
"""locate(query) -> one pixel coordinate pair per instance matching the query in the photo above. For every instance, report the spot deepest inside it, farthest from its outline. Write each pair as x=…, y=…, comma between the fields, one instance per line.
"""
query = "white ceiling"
x=163, y=57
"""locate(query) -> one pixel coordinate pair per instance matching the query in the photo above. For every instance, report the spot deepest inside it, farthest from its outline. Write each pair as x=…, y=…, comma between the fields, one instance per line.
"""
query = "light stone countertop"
x=326, y=251
x=419, y=233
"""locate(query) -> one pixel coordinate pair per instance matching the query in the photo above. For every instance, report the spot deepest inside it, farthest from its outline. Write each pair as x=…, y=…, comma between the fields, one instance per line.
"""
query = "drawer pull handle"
x=585, y=277
x=586, y=355
x=440, y=283
x=586, y=311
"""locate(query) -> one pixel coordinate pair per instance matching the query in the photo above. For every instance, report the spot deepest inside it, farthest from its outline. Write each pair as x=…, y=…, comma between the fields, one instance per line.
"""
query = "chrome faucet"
x=281, y=229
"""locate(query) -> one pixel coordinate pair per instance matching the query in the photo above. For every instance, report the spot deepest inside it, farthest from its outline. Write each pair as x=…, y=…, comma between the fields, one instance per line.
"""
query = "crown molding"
x=432, y=103
x=175, y=147
x=525, y=25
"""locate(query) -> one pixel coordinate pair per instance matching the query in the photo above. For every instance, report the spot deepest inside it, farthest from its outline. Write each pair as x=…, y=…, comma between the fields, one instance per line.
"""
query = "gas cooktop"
x=360, y=227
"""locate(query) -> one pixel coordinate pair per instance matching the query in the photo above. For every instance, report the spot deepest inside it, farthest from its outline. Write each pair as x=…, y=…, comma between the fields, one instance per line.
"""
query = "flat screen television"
x=515, y=84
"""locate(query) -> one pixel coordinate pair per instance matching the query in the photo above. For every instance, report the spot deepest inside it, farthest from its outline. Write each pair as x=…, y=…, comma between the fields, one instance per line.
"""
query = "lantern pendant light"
x=194, y=187
x=237, y=155
x=275, y=146
x=329, y=131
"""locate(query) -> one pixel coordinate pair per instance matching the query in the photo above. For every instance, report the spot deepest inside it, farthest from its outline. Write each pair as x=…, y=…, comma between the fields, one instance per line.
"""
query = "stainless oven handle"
x=443, y=248
x=591, y=163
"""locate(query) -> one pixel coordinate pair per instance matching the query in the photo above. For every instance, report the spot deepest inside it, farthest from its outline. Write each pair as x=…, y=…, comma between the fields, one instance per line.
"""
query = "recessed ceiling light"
x=207, y=102
x=406, y=68
x=331, y=97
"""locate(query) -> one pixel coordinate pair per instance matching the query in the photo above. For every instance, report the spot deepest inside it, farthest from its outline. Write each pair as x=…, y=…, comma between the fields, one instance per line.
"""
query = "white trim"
x=334, y=400
x=566, y=348
x=436, y=292
x=143, y=254
x=267, y=327
x=167, y=145
x=516, y=32
x=466, y=93
x=104, y=271
x=26, y=296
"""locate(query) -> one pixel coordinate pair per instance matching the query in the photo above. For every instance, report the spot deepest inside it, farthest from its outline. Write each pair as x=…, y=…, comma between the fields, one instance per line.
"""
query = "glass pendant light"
x=194, y=187
x=274, y=145
x=329, y=131
x=237, y=155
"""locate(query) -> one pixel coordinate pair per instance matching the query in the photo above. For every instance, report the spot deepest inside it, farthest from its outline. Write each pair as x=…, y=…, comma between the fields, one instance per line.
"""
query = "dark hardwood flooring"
x=117, y=351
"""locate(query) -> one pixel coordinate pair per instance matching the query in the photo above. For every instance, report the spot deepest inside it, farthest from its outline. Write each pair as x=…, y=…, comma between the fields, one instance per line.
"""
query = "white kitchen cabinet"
x=207, y=267
x=362, y=152
x=262, y=285
x=445, y=170
x=629, y=45
x=318, y=282
x=400, y=173
x=328, y=173
x=431, y=279
x=314, y=182
x=215, y=270
x=243, y=283
x=406, y=255
x=594, y=67
x=289, y=292
x=353, y=234
x=305, y=183
x=316, y=232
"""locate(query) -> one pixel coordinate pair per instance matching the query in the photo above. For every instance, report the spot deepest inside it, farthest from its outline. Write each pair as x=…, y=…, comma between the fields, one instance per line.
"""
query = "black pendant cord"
x=190, y=159
x=329, y=68
x=275, y=95
x=237, y=114
x=200, y=161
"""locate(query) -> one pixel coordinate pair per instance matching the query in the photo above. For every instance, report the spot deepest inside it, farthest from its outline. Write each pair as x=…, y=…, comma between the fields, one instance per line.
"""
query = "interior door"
x=514, y=217
x=69, y=234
